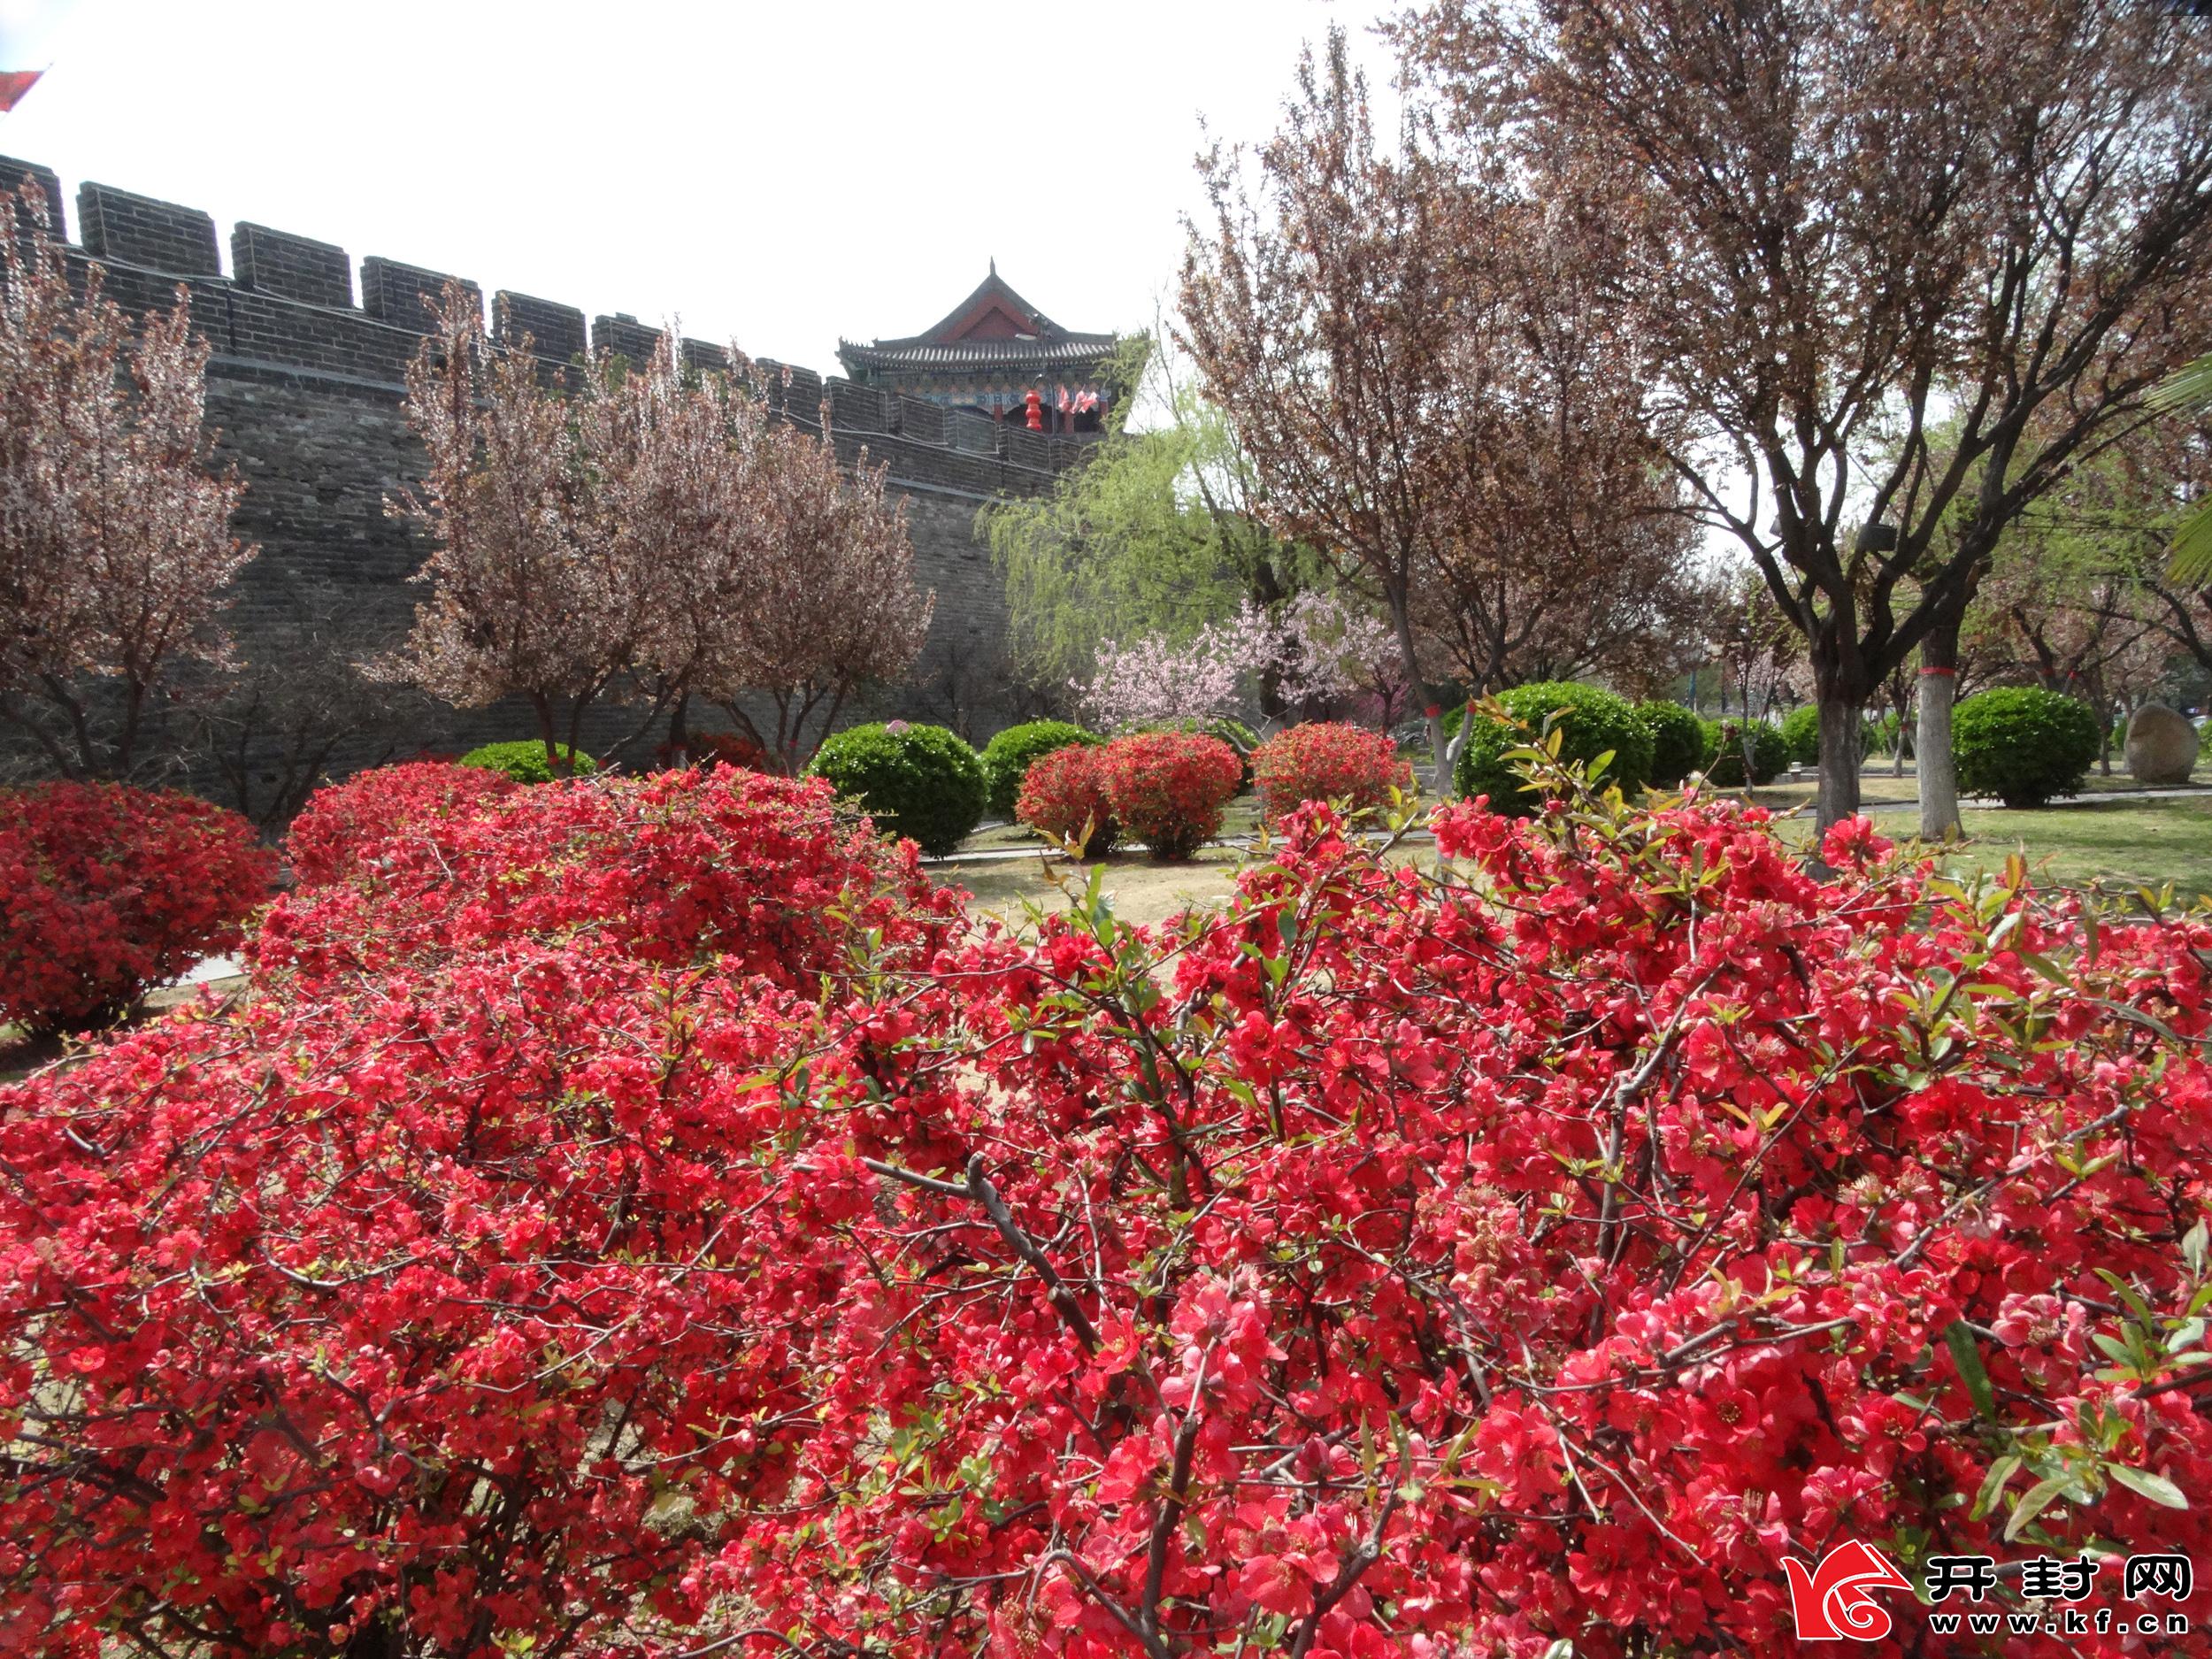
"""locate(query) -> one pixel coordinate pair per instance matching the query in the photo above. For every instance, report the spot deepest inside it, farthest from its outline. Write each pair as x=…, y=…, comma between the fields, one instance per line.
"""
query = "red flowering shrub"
x=347, y=823
x=1324, y=761
x=1168, y=788
x=1451, y=1266
x=1064, y=790
x=405, y=1316
x=674, y=868
x=1545, y=1249
x=106, y=891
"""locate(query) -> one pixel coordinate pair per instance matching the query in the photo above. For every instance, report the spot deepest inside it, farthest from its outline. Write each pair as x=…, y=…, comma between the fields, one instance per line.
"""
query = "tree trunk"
x=679, y=730
x=542, y=707
x=1839, y=721
x=1931, y=751
x=1441, y=773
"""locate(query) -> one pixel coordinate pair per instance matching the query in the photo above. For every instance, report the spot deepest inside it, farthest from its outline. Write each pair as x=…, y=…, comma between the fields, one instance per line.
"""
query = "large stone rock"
x=2161, y=745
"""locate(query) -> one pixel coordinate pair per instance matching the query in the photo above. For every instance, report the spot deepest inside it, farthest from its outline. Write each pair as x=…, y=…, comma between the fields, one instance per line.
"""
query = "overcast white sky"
x=774, y=174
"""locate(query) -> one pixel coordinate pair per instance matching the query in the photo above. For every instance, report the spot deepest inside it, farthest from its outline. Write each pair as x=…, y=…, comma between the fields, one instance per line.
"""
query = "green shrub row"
x=1007, y=758
x=523, y=760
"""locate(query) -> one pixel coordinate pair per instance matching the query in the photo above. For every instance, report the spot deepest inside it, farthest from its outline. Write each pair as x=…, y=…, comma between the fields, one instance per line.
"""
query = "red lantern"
x=1035, y=406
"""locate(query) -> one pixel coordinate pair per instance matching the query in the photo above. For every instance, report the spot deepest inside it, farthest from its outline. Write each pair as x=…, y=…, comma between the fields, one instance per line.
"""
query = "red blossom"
x=1064, y=794
x=1326, y=762
x=632, y=1215
x=1168, y=788
x=111, y=890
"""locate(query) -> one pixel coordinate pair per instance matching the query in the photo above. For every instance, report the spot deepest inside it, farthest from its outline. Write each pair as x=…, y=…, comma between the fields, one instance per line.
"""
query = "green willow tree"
x=2191, y=392
x=1153, y=535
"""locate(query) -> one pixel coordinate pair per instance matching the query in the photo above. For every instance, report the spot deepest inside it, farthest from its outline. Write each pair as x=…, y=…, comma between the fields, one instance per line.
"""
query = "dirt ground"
x=1141, y=891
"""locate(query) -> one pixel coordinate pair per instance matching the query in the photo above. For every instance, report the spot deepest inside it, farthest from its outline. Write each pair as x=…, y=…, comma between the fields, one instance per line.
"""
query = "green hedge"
x=2023, y=745
x=919, y=782
x=1592, y=720
x=1801, y=730
x=1723, y=754
x=1678, y=742
x=523, y=760
x=1008, y=757
x=1800, y=734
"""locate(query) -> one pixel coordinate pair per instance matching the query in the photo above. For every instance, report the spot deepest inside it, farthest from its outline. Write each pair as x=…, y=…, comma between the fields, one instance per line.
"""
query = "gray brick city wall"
x=291, y=267
x=114, y=224
x=305, y=390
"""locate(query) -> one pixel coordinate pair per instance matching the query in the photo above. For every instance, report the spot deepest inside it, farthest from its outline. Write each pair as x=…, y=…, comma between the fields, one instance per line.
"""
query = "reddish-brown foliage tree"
x=1419, y=361
x=1564, y=545
x=1902, y=267
x=115, y=541
x=1321, y=317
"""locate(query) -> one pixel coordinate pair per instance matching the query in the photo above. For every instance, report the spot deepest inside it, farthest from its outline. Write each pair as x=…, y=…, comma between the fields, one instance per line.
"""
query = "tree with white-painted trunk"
x=1904, y=267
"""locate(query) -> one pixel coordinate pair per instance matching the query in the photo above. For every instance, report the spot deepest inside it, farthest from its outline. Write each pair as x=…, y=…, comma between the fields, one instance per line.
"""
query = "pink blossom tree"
x=115, y=542
x=1320, y=648
x=805, y=591
x=535, y=575
x=649, y=535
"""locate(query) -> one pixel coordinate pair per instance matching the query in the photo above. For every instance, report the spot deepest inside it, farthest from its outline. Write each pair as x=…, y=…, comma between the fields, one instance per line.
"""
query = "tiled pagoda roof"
x=976, y=353
x=994, y=327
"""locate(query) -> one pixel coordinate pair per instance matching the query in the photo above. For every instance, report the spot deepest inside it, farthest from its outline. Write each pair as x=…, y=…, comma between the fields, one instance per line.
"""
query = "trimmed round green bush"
x=1592, y=720
x=920, y=781
x=1678, y=742
x=2022, y=744
x=1007, y=758
x=1800, y=734
x=523, y=760
x=1724, y=753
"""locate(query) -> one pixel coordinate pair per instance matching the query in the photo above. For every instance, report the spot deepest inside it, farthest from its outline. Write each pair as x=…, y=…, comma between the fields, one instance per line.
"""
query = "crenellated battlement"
x=286, y=307
x=308, y=356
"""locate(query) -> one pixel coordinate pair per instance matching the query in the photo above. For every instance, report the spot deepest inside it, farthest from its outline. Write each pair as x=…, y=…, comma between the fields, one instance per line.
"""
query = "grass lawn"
x=2114, y=845
x=1141, y=890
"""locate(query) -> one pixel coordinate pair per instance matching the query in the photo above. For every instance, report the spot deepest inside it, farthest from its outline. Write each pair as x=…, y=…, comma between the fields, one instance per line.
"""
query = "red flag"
x=13, y=84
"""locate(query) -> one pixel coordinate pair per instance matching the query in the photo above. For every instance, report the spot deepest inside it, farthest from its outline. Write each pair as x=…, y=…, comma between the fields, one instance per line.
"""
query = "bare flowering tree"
x=648, y=536
x=115, y=542
x=812, y=594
